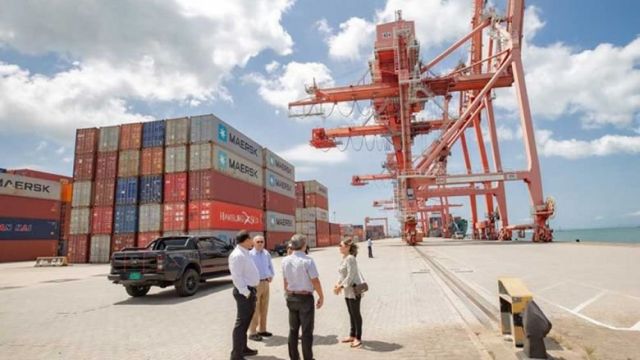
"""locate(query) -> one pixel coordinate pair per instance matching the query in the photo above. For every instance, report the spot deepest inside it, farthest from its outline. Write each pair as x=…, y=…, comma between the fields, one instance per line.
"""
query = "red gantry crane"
x=400, y=87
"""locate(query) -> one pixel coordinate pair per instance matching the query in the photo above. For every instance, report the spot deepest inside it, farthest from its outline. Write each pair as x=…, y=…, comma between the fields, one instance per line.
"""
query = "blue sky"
x=68, y=67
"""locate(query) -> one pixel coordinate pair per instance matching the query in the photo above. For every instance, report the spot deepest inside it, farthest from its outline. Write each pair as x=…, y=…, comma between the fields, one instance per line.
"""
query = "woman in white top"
x=349, y=277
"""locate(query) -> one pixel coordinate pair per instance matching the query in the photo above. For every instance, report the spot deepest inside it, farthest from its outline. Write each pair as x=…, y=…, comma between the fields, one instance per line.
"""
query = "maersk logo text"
x=243, y=168
x=24, y=185
x=243, y=144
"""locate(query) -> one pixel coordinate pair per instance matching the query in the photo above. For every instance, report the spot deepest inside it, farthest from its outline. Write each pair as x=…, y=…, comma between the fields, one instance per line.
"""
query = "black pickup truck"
x=182, y=261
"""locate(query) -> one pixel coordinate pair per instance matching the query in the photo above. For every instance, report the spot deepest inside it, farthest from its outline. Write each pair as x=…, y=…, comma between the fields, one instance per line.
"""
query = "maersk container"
x=280, y=222
x=175, y=159
x=177, y=131
x=82, y=194
x=312, y=186
x=209, y=128
x=237, y=166
x=278, y=183
x=80, y=221
x=322, y=215
x=279, y=165
x=201, y=156
x=29, y=229
x=29, y=208
x=127, y=191
x=23, y=186
x=150, y=218
x=151, y=189
x=109, y=139
x=126, y=219
x=306, y=214
x=129, y=163
x=100, y=248
x=153, y=134
x=86, y=140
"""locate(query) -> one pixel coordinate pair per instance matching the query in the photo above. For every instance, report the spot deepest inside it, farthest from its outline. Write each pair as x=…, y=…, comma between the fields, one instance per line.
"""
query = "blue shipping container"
x=151, y=189
x=127, y=191
x=126, y=219
x=28, y=229
x=153, y=133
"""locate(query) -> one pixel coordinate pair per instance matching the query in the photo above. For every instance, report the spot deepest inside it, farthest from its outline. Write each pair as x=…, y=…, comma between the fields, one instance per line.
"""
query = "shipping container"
x=299, y=201
x=213, y=185
x=131, y=136
x=66, y=192
x=29, y=208
x=205, y=214
x=306, y=228
x=152, y=161
x=99, y=249
x=174, y=217
x=40, y=175
x=334, y=239
x=150, y=218
x=84, y=166
x=107, y=165
x=312, y=186
x=323, y=240
x=16, y=185
x=277, y=183
x=86, y=141
x=346, y=230
x=177, y=131
x=104, y=193
x=82, y=194
x=102, y=220
x=153, y=134
x=175, y=187
x=322, y=215
x=279, y=165
x=322, y=227
x=312, y=240
x=25, y=250
x=80, y=221
x=151, y=189
x=334, y=229
x=316, y=200
x=129, y=163
x=175, y=159
x=278, y=222
x=109, y=138
x=273, y=238
x=306, y=214
x=208, y=128
x=279, y=203
x=225, y=235
x=299, y=188
x=237, y=166
x=126, y=219
x=29, y=229
x=123, y=241
x=201, y=156
x=127, y=191
x=145, y=238
x=78, y=249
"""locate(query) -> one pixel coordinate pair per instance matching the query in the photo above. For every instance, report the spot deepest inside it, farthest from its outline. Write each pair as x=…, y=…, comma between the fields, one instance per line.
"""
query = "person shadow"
x=277, y=340
x=380, y=346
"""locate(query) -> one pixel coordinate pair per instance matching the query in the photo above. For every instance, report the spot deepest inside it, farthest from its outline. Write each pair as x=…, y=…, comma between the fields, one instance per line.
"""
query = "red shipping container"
x=274, y=238
x=316, y=200
x=174, y=217
x=145, y=238
x=334, y=229
x=152, y=161
x=24, y=250
x=279, y=203
x=334, y=239
x=213, y=185
x=78, y=249
x=104, y=192
x=299, y=189
x=216, y=215
x=122, y=241
x=323, y=240
x=84, y=166
x=40, y=175
x=29, y=208
x=107, y=165
x=102, y=220
x=131, y=136
x=322, y=227
x=175, y=187
x=86, y=141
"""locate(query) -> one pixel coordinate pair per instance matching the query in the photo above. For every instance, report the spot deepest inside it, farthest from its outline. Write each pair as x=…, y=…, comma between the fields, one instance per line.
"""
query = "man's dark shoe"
x=255, y=337
x=249, y=352
x=265, y=334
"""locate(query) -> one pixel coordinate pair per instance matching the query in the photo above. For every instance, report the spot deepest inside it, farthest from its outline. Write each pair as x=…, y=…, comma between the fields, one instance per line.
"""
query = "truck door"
x=222, y=250
x=206, y=250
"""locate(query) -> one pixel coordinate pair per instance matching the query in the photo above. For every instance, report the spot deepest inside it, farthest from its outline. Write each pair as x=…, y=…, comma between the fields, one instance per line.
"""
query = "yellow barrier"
x=51, y=261
x=514, y=297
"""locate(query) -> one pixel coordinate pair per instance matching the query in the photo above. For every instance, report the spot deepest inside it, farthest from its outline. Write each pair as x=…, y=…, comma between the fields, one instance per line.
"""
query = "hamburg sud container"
x=131, y=136
x=213, y=185
x=153, y=134
x=217, y=215
x=177, y=131
x=175, y=187
x=109, y=139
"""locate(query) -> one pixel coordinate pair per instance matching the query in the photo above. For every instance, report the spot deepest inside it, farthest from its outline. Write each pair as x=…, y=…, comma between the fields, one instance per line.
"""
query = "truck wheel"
x=137, y=290
x=188, y=284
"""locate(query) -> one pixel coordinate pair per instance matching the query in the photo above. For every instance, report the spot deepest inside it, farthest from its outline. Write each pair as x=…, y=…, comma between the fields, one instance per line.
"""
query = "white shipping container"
x=99, y=249
x=150, y=218
x=278, y=222
x=82, y=194
x=314, y=187
x=306, y=227
x=279, y=165
x=306, y=214
x=80, y=221
x=279, y=184
x=237, y=166
x=201, y=156
x=311, y=240
x=16, y=185
x=177, y=131
x=109, y=138
x=322, y=214
x=175, y=159
x=209, y=128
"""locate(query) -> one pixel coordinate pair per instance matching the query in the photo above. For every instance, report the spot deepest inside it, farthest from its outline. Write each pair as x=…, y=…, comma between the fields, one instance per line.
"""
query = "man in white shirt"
x=245, y=277
x=370, y=247
x=262, y=259
x=300, y=280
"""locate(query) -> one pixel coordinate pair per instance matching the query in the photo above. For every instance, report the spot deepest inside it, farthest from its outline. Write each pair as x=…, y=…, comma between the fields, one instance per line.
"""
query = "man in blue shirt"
x=262, y=259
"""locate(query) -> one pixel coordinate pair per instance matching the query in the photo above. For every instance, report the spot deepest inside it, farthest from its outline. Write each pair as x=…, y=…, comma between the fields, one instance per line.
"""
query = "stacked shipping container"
x=312, y=219
x=279, y=199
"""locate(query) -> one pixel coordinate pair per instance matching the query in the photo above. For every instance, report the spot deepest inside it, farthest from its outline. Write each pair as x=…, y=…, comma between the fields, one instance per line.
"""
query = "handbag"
x=359, y=289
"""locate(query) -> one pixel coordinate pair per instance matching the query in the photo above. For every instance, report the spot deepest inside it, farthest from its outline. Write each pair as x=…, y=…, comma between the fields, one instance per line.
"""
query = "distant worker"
x=300, y=280
x=370, y=246
x=262, y=259
x=245, y=277
x=349, y=278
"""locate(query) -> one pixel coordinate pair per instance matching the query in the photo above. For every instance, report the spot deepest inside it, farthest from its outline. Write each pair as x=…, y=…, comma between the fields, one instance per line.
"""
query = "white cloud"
x=127, y=51
x=41, y=146
x=599, y=217
x=60, y=150
x=577, y=149
x=272, y=66
x=635, y=213
x=353, y=42
x=305, y=155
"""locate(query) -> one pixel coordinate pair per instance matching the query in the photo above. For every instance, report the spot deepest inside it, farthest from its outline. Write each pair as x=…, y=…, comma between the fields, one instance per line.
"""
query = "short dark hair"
x=242, y=236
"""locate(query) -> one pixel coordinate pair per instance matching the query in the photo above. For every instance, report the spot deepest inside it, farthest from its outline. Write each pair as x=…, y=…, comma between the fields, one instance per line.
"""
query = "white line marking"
x=588, y=302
